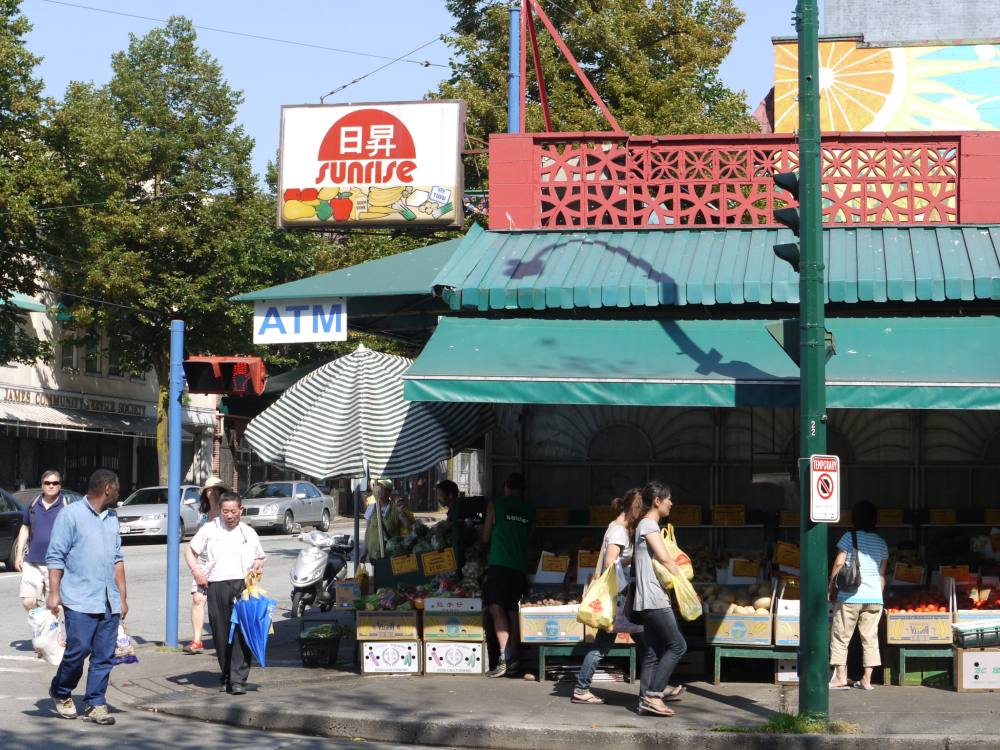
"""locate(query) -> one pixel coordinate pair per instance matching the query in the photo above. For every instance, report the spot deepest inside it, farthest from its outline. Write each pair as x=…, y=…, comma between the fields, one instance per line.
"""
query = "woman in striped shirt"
x=859, y=608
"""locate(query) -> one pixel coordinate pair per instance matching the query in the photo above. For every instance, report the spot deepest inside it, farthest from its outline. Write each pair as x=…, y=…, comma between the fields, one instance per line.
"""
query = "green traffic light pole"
x=814, y=646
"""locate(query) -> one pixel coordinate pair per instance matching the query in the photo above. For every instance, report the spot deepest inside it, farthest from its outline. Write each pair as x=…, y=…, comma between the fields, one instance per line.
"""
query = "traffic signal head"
x=787, y=181
x=788, y=252
x=235, y=376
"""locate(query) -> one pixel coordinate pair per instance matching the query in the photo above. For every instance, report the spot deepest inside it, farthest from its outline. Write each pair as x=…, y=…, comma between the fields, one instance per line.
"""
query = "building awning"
x=77, y=420
x=539, y=270
x=26, y=303
x=883, y=363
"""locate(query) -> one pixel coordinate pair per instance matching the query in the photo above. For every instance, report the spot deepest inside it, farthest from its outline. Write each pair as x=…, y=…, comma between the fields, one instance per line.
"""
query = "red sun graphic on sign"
x=367, y=146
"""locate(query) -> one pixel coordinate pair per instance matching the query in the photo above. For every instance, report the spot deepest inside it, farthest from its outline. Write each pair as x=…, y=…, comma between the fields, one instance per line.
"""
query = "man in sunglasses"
x=33, y=540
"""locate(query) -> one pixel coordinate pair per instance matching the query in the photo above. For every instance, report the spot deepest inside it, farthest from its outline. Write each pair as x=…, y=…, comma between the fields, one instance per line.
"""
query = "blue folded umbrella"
x=253, y=615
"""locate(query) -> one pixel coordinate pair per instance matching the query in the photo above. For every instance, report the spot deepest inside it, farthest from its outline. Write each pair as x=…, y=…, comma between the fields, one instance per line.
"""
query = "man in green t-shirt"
x=508, y=525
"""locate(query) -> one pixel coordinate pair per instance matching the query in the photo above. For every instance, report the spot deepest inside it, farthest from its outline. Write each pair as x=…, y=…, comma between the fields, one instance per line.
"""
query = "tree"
x=177, y=223
x=655, y=63
x=28, y=181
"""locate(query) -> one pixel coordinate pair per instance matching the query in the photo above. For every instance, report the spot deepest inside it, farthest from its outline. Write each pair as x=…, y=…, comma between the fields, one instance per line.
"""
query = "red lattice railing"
x=600, y=180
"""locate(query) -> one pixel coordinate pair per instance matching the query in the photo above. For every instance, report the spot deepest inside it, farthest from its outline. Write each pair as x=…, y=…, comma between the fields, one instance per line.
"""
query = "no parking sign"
x=824, y=489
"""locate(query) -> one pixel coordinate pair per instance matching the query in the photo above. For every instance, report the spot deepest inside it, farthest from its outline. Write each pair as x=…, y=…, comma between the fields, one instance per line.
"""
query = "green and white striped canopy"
x=353, y=409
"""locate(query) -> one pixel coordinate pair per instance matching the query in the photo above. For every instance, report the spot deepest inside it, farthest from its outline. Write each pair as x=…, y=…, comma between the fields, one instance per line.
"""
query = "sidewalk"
x=513, y=714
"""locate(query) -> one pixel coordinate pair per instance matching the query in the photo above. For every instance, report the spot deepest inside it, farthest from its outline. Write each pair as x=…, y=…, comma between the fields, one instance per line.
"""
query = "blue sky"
x=77, y=44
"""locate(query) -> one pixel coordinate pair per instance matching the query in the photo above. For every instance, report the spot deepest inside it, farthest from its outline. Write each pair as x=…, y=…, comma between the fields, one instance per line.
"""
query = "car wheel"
x=10, y=558
x=288, y=522
x=298, y=609
x=324, y=522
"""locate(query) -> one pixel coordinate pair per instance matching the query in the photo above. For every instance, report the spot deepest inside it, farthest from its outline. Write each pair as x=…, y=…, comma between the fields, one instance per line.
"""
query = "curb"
x=496, y=736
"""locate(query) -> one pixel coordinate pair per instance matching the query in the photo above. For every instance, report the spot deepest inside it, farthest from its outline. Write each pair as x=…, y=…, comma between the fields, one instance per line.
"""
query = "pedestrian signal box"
x=232, y=376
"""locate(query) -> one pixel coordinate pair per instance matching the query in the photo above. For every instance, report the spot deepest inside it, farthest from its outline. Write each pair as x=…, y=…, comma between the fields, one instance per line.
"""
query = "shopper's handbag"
x=680, y=557
x=848, y=578
x=629, y=611
x=597, y=609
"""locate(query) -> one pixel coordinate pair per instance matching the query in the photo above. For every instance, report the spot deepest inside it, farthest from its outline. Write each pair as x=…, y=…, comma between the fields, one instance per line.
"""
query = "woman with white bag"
x=616, y=550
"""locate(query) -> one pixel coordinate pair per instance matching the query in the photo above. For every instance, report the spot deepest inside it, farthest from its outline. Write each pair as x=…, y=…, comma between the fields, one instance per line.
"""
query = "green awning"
x=406, y=274
x=567, y=269
x=26, y=303
x=882, y=363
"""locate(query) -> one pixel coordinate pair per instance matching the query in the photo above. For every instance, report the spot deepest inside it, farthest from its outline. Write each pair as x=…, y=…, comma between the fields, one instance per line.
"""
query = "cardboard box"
x=550, y=624
x=787, y=621
x=919, y=627
x=986, y=616
x=977, y=669
x=387, y=626
x=456, y=604
x=391, y=657
x=749, y=630
x=453, y=658
x=453, y=626
x=347, y=592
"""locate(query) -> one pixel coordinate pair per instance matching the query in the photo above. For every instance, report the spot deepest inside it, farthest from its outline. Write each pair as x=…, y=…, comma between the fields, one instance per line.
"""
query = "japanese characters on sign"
x=371, y=164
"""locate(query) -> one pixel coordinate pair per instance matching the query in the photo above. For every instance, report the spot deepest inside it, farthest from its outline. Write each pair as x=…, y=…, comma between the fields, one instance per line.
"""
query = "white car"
x=281, y=505
x=144, y=512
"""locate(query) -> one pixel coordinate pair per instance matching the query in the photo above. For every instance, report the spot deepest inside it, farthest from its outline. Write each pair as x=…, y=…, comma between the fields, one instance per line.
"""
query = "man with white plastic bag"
x=87, y=582
x=48, y=635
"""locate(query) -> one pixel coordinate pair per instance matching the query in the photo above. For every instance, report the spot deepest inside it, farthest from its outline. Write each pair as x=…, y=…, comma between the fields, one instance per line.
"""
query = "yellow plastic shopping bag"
x=682, y=560
x=597, y=608
x=688, y=601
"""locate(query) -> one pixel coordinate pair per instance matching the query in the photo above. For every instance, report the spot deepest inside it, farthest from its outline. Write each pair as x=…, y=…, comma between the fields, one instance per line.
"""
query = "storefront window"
x=114, y=360
x=67, y=358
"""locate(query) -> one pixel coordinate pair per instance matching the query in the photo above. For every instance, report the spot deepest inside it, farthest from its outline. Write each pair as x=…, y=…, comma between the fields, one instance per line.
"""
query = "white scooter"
x=320, y=564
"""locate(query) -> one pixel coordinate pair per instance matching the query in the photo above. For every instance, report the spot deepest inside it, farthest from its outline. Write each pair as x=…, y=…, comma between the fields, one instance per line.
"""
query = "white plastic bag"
x=124, y=650
x=48, y=635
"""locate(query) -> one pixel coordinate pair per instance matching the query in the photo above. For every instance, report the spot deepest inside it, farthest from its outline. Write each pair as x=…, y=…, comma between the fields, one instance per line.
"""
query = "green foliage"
x=782, y=723
x=28, y=180
x=655, y=64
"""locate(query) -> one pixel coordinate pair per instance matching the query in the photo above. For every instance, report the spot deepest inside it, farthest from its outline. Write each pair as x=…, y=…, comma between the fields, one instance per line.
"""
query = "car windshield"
x=278, y=489
x=148, y=496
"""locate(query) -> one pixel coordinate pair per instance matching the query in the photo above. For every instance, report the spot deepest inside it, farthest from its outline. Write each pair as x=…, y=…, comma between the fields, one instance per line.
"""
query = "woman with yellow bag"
x=231, y=550
x=663, y=644
x=617, y=547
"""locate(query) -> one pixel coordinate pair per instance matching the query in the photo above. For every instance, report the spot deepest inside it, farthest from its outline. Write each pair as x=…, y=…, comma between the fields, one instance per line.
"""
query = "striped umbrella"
x=353, y=409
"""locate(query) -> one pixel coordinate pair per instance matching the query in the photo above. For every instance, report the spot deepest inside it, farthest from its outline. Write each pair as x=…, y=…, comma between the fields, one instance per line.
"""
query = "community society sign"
x=299, y=321
x=371, y=164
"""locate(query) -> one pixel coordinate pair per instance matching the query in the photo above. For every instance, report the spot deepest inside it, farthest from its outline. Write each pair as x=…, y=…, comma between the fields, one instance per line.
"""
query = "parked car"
x=144, y=512
x=10, y=524
x=24, y=497
x=281, y=505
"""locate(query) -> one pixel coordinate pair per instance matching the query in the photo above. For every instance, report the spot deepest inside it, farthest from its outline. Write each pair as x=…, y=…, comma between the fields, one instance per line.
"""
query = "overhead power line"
x=380, y=67
x=108, y=200
x=247, y=35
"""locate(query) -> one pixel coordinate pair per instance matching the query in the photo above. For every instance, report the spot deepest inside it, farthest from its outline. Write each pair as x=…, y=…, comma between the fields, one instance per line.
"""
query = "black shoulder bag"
x=628, y=605
x=849, y=577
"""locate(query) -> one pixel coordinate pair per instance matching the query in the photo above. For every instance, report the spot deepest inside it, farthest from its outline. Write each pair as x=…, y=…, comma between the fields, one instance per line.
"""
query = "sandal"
x=861, y=686
x=650, y=706
x=675, y=695
x=587, y=698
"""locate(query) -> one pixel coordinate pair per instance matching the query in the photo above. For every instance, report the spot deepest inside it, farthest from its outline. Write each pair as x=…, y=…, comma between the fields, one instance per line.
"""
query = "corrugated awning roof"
x=26, y=303
x=541, y=270
x=881, y=363
x=406, y=274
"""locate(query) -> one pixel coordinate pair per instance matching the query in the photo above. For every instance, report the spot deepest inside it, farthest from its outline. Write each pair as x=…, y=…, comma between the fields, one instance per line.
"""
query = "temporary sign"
x=824, y=489
x=344, y=165
x=299, y=320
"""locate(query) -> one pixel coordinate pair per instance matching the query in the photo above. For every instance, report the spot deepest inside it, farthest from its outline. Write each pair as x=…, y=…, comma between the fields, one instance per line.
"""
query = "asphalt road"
x=26, y=719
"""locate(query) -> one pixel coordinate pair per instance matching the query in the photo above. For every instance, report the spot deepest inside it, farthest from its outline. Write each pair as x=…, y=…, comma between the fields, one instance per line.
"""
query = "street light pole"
x=174, y=478
x=814, y=647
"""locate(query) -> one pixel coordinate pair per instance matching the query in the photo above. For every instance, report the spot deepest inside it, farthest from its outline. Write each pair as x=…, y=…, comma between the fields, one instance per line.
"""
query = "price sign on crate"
x=942, y=517
x=912, y=574
x=587, y=559
x=436, y=563
x=788, y=554
x=403, y=564
x=789, y=518
x=555, y=563
x=959, y=572
x=729, y=515
x=685, y=515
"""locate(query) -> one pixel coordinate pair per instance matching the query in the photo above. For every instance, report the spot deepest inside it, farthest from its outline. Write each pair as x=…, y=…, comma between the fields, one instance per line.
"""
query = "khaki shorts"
x=34, y=582
x=196, y=589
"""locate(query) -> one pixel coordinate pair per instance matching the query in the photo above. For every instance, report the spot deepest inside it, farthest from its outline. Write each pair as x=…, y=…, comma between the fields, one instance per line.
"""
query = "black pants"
x=663, y=646
x=234, y=658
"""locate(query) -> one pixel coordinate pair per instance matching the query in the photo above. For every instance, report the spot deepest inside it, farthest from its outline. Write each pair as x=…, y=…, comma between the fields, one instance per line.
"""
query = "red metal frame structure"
x=605, y=180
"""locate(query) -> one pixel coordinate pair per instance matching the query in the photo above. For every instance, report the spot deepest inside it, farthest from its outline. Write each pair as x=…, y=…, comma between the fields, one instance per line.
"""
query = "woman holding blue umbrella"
x=231, y=550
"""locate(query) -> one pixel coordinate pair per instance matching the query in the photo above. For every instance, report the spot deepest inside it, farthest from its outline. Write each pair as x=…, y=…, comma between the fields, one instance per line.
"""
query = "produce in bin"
x=404, y=598
x=553, y=598
x=980, y=598
x=754, y=600
x=330, y=630
x=916, y=602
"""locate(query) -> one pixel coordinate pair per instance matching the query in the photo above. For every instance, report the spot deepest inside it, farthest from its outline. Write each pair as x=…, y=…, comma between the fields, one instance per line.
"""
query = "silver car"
x=144, y=512
x=281, y=505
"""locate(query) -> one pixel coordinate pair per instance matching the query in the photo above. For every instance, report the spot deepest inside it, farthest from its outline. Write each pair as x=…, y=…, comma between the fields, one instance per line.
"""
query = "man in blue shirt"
x=33, y=540
x=87, y=579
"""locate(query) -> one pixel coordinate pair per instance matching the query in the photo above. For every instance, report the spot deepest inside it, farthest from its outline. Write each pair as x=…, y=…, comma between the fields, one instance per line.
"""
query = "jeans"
x=87, y=635
x=663, y=647
x=602, y=644
x=234, y=658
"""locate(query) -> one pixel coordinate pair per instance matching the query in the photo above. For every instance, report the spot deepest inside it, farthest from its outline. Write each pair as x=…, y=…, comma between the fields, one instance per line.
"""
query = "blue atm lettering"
x=334, y=319
x=272, y=319
x=281, y=318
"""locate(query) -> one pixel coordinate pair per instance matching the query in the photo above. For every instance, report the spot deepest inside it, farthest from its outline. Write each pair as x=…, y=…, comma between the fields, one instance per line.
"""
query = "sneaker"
x=500, y=670
x=194, y=647
x=514, y=669
x=64, y=706
x=237, y=689
x=98, y=715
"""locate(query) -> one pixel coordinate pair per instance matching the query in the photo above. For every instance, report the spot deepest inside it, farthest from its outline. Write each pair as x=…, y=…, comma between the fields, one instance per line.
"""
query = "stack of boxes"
x=389, y=642
x=454, y=637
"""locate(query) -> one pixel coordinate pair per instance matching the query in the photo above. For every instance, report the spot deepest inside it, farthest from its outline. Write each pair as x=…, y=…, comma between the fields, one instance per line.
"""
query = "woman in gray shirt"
x=663, y=644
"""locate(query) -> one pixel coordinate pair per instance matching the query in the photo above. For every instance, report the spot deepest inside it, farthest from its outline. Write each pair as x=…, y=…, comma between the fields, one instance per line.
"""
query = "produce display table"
x=750, y=652
x=582, y=649
x=916, y=652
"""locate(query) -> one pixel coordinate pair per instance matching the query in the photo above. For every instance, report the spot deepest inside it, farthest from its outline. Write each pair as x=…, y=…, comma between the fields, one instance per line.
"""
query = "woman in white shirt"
x=617, y=546
x=231, y=550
